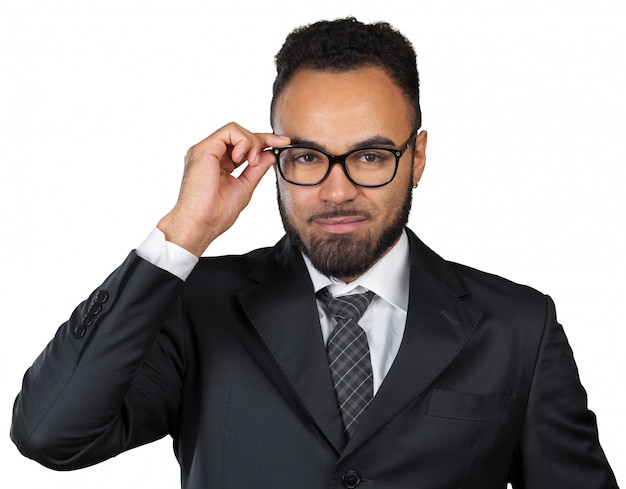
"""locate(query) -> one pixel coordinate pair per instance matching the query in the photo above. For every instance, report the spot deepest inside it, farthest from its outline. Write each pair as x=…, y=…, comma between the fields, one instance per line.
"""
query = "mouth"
x=340, y=224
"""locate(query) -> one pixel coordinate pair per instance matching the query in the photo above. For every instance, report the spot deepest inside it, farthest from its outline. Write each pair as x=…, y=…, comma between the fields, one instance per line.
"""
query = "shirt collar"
x=388, y=278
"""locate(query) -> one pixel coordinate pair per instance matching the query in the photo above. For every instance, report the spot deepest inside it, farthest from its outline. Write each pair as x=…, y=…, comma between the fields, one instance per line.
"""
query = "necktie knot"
x=346, y=307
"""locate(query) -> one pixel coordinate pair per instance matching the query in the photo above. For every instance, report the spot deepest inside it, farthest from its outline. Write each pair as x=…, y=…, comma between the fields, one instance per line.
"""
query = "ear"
x=419, y=157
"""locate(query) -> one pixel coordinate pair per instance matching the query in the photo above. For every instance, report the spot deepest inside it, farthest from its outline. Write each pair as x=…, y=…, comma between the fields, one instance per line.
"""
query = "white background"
x=525, y=107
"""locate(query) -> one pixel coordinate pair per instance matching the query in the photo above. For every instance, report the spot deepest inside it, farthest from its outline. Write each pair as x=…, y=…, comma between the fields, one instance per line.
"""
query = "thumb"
x=252, y=174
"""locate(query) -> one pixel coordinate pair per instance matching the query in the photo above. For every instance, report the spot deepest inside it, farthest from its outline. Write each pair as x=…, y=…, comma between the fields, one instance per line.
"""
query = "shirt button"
x=351, y=479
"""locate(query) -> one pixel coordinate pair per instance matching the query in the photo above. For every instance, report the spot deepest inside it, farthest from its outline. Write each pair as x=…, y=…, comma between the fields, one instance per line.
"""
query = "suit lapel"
x=438, y=325
x=280, y=303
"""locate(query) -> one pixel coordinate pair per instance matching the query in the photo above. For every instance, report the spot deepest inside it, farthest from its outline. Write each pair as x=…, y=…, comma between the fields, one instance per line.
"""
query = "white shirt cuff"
x=167, y=256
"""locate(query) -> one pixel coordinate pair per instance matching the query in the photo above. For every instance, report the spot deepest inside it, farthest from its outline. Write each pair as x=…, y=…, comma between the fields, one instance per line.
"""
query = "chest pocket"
x=470, y=407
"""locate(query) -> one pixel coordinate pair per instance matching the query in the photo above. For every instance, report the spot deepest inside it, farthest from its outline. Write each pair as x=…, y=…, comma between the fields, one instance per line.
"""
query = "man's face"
x=343, y=228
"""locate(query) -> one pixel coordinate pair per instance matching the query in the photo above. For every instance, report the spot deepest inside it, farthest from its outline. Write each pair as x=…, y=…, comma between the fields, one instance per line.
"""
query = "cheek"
x=393, y=201
x=292, y=200
x=285, y=198
x=388, y=198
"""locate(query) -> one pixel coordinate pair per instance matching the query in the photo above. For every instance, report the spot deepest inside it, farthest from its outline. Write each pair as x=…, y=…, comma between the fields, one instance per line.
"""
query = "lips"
x=340, y=224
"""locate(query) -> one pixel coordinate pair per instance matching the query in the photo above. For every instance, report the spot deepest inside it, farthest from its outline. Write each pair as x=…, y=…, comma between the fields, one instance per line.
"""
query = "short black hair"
x=346, y=44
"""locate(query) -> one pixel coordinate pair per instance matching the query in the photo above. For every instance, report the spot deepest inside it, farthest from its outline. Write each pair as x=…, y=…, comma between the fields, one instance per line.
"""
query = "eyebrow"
x=366, y=143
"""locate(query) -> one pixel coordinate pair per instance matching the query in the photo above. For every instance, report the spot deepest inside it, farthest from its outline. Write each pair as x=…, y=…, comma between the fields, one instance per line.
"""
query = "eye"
x=303, y=157
x=306, y=158
x=371, y=157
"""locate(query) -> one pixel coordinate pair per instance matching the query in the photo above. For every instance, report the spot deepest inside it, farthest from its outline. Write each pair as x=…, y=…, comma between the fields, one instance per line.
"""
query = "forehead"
x=342, y=107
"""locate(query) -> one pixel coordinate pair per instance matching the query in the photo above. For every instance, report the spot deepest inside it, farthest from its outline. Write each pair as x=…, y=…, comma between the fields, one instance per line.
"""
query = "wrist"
x=166, y=255
x=185, y=233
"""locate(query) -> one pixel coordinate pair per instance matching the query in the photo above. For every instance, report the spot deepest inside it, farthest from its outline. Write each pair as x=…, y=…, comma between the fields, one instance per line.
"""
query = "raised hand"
x=210, y=197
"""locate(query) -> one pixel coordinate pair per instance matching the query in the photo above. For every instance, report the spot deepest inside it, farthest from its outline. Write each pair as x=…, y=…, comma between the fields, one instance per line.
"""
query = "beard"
x=346, y=256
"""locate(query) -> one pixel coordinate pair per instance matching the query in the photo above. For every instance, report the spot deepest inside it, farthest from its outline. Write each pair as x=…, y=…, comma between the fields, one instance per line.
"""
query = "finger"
x=252, y=174
x=265, y=159
x=230, y=142
x=244, y=145
x=251, y=145
x=232, y=145
x=267, y=140
x=271, y=139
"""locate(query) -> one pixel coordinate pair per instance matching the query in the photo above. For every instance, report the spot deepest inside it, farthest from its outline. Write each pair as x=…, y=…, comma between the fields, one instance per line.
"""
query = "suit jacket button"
x=79, y=331
x=94, y=308
x=101, y=297
x=87, y=320
x=351, y=479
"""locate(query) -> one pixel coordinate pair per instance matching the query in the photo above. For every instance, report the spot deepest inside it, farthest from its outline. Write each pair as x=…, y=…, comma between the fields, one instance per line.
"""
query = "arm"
x=102, y=388
x=111, y=377
x=559, y=444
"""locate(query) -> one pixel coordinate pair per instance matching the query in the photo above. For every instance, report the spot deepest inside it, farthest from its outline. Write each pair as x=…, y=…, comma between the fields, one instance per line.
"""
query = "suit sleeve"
x=559, y=444
x=111, y=377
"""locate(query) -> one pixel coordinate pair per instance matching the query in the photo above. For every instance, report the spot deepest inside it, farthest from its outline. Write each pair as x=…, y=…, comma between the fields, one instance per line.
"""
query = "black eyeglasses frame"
x=341, y=159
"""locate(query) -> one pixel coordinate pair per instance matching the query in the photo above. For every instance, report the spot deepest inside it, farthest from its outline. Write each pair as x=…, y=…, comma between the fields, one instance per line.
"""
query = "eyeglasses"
x=367, y=167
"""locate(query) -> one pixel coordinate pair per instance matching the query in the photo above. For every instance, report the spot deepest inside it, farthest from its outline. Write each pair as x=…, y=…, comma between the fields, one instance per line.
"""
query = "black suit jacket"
x=232, y=364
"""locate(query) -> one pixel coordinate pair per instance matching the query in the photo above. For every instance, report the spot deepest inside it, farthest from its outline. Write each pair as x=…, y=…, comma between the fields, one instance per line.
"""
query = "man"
x=259, y=365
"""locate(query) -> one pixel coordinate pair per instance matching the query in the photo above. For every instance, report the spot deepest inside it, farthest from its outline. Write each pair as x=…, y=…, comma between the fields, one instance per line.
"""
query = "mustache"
x=340, y=212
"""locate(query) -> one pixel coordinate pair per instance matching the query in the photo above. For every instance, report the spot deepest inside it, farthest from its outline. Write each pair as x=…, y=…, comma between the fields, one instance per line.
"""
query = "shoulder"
x=491, y=292
x=510, y=310
x=223, y=271
x=480, y=281
x=215, y=280
x=485, y=291
x=223, y=274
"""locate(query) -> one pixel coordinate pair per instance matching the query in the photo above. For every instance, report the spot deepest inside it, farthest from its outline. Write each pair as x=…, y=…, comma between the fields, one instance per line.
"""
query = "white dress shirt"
x=385, y=318
x=383, y=321
x=166, y=255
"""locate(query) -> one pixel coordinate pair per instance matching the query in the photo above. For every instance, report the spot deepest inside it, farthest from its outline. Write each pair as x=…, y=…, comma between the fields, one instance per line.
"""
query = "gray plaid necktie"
x=349, y=356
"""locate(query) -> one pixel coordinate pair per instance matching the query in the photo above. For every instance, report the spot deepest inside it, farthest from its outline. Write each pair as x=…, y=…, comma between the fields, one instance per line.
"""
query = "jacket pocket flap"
x=470, y=407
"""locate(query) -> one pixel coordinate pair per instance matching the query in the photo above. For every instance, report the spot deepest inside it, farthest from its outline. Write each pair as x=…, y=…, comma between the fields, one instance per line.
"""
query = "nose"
x=337, y=188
